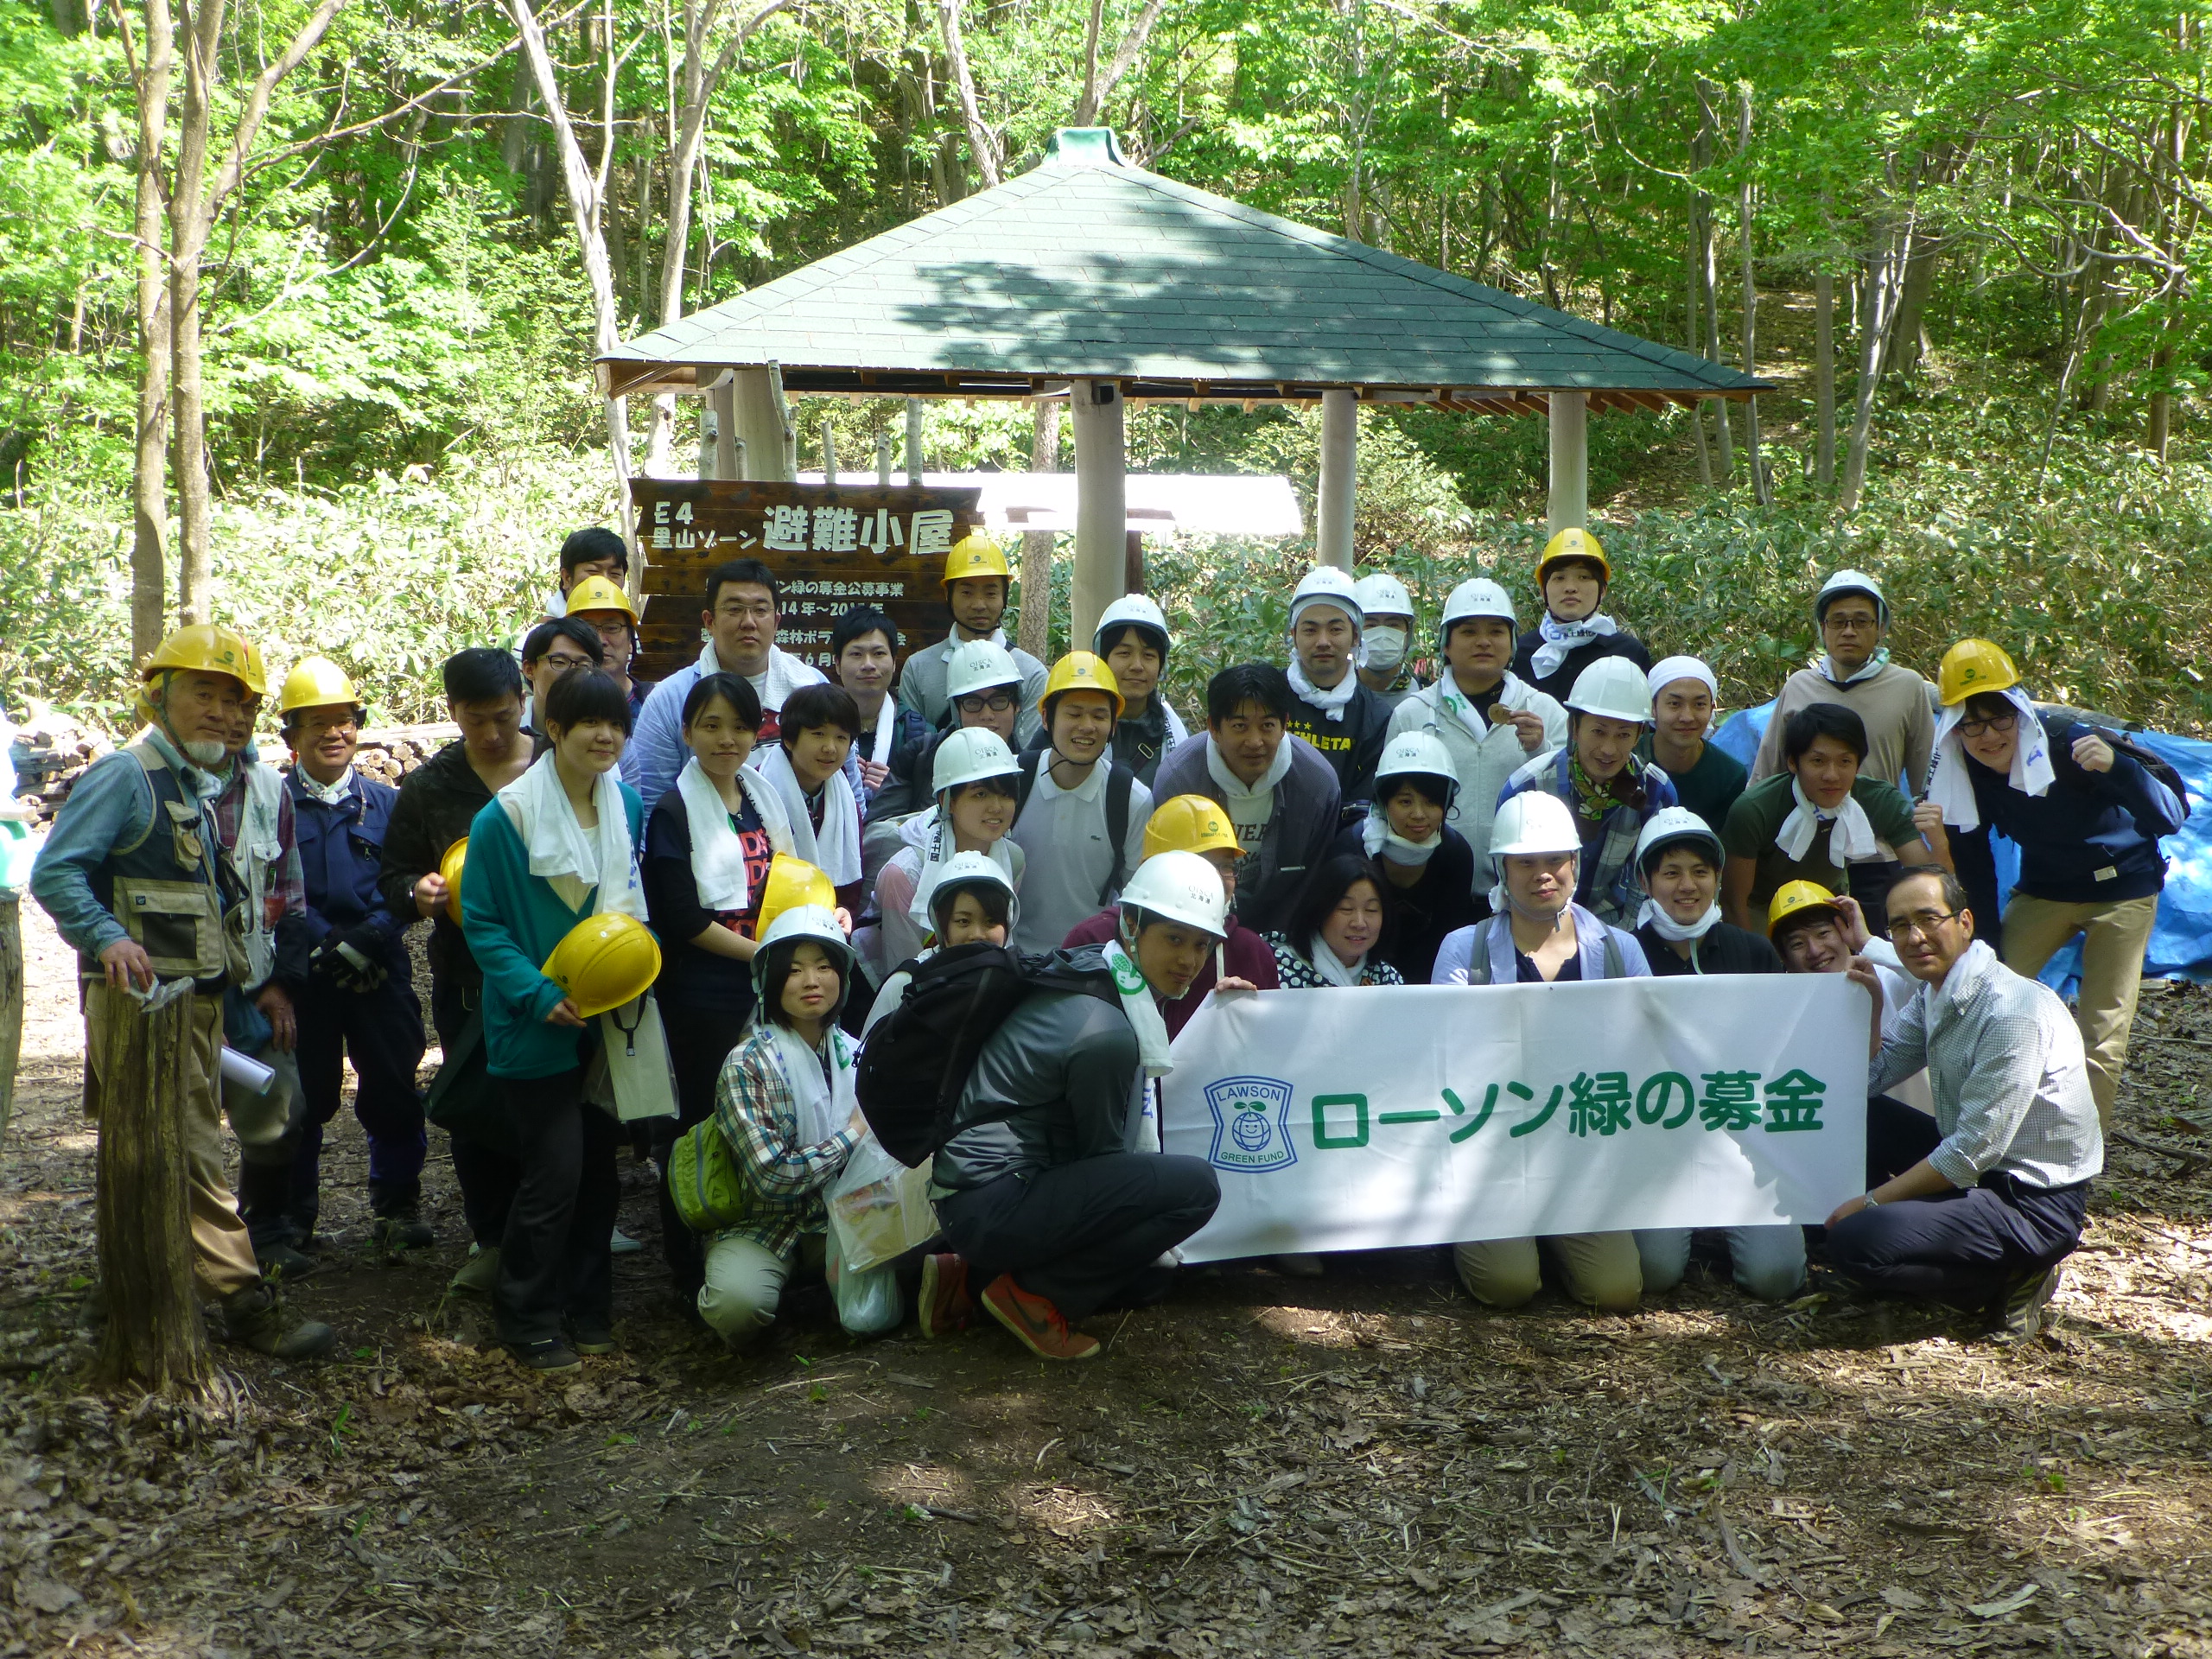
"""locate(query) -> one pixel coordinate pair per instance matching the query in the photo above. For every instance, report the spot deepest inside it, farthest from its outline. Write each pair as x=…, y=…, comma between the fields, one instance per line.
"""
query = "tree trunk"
x=1036, y=627
x=1694, y=334
x=697, y=81
x=12, y=1004
x=1759, y=490
x=979, y=143
x=1882, y=284
x=1709, y=271
x=1824, y=378
x=202, y=33
x=1909, y=334
x=153, y=1338
x=150, y=477
x=586, y=209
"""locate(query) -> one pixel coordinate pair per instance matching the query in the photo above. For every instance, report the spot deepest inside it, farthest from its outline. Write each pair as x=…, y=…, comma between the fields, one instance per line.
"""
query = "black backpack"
x=1120, y=781
x=2054, y=724
x=916, y=1061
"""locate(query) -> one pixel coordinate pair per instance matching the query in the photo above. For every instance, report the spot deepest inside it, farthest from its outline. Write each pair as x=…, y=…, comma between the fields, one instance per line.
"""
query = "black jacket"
x=437, y=802
x=1558, y=685
x=1352, y=746
x=1726, y=949
x=1442, y=900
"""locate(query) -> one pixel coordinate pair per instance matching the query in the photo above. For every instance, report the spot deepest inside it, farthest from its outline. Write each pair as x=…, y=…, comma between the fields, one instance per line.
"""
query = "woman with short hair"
x=1337, y=929
x=1429, y=869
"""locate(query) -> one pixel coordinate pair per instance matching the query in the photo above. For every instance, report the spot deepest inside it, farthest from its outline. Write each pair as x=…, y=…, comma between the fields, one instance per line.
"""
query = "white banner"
x=1368, y=1119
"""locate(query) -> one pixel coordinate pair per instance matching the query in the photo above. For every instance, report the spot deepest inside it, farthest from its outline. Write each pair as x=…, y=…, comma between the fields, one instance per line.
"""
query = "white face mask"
x=1386, y=648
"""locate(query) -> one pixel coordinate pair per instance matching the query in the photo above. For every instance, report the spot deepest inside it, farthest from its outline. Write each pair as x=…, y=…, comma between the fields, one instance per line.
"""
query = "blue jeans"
x=1768, y=1261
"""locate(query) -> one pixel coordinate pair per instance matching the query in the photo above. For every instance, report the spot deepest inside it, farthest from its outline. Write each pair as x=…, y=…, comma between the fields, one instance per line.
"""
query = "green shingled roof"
x=1089, y=267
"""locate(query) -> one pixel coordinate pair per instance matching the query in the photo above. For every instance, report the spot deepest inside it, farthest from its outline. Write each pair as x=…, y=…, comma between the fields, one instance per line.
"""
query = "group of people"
x=781, y=855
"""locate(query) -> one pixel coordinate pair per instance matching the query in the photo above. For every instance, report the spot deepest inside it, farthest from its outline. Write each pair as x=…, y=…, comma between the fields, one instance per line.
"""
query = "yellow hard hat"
x=450, y=867
x=1189, y=823
x=792, y=882
x=604, y=962
x=208, y=648
x=316, y=682
x=1573, y=545
x=1081, y=670
x=597, y=594
x=976, y=555
x=1971, y=667
x=1793, y=898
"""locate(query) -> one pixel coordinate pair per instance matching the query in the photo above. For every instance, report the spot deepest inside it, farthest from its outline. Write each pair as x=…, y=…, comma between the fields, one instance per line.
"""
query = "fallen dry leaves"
x=1364, y=1464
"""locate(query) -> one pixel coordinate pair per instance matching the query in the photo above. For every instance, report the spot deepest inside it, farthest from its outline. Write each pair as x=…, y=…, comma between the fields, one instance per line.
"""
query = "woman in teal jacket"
x=556, y=845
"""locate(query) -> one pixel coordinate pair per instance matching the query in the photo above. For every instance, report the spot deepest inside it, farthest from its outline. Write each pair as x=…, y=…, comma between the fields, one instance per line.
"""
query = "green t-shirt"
x=1710, y=788
x=1757, y=815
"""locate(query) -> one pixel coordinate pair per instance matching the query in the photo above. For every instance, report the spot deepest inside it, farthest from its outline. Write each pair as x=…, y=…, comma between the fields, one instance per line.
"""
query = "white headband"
x=1681, y=668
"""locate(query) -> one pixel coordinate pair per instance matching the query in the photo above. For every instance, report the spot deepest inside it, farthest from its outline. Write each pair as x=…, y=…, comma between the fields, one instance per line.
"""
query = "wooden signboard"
x=832, y=546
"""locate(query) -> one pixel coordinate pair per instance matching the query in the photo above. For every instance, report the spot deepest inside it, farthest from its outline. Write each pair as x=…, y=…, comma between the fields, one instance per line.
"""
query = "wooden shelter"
x=1091, y=280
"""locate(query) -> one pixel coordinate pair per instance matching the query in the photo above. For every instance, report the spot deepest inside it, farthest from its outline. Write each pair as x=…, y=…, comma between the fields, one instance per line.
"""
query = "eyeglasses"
x=997, y=704
x=1922, y=924
x=1851, y=623
x=1975, y=728
x=564, y=662
x=747, y=613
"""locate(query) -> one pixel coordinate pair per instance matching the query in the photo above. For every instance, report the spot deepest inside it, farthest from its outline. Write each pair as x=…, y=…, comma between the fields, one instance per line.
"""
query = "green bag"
x=464, y=1099
x=702, y=1180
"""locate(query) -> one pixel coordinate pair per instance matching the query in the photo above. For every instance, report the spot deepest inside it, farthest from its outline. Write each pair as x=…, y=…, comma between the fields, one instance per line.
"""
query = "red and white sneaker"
x=1040, y=1326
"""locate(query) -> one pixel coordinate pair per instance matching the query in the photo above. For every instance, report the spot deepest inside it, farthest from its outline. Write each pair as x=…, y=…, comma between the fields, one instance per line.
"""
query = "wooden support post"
x=763, y=424
x=829, y=452
x=914, y=440
x=1035, y=632
x=883, y=459
x=1332, y=507
x=709, y=441
x=727, y=465
x=154, y=1339
x=1102, y=517
x=1570, y=478
x=1132, y=565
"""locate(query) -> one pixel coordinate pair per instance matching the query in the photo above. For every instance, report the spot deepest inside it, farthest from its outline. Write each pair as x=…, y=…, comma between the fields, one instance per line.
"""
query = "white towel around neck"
x=887, y=728
x=1559, y=637
x=1852, y=836
x=1655, y=917
x=1330, y=701
x=836, y=848
x=1144, y=1015
x=783, y=675
x=821, y=1104
x=1333, y=968
x=717, y=855
x=1950, y=785
x=1253, y=798
x=935, y=844
x=1380, y=840
x=558, y=846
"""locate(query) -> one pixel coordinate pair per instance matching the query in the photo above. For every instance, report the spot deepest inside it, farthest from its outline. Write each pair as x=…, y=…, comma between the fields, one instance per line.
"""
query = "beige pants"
x=745, y=1285
x=1602, y=1269
x=225, y=1259
x=2114, y=937
x=11, y=1003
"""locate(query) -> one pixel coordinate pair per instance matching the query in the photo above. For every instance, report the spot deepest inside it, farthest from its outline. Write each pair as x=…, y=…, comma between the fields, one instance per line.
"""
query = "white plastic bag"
x=879, y=1208
x=869, y=1303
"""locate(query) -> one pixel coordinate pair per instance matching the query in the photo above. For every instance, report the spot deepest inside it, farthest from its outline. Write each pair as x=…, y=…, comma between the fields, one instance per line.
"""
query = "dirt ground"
x=1364, y=1464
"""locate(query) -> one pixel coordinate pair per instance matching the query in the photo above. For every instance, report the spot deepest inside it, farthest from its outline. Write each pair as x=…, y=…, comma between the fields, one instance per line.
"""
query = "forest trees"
x=396, y=232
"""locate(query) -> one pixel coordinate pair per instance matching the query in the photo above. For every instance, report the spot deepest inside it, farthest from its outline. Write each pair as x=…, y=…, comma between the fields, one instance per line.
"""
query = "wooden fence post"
x=12, y=1004
x=154, y=1339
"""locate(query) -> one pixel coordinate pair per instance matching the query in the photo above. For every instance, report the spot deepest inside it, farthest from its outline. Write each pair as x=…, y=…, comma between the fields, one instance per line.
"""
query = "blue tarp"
x=2181, y=941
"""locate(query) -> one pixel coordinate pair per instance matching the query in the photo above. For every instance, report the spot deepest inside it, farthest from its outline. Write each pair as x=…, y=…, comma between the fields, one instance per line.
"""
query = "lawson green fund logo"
x=1251, y=1124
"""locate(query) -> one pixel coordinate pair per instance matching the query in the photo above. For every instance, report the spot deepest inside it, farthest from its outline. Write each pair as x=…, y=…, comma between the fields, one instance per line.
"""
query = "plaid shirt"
x=755, y=1112
x=288, y=887
x=2004, y=1060
x=1609, y=887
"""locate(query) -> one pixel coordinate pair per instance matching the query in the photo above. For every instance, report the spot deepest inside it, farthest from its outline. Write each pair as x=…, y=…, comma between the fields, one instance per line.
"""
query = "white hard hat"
x=815, y=923
x=1479, y=598
x=968, y=870
x=977, y=665
x=1130, y=610
x=1670, y=824
x=1613, y=686
x=1851, y=582
x=1179, y=887
x=968, y=755
x=1534, y=822
x=1326, y=585
x=1383, y=595
x=1421, y=754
